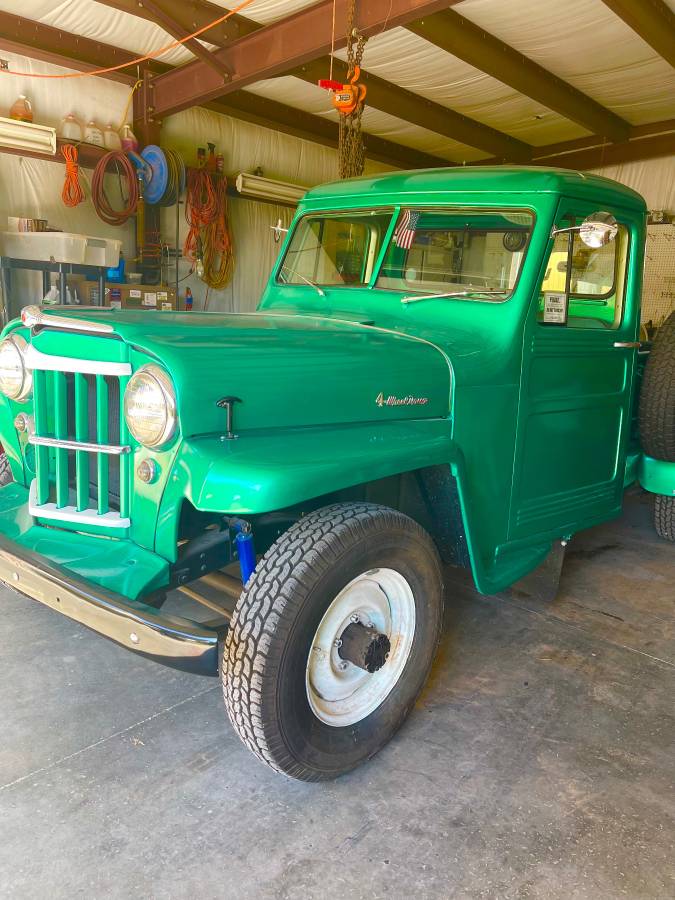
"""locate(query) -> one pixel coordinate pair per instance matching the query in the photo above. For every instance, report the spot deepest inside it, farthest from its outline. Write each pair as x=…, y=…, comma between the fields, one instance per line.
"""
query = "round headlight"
x=16, y=381
x=150, y=406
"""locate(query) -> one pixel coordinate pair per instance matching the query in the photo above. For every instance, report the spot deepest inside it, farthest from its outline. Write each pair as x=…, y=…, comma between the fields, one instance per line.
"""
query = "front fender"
x=265, y=471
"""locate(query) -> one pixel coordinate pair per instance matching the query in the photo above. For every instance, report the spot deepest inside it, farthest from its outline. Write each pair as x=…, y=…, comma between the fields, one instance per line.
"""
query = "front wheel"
x=332, y=640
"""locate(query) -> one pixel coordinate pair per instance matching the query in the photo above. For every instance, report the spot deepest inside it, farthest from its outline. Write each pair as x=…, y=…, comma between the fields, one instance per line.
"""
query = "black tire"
x=275, y=621
x=664, y=516
x=657, y=396
x=5, y=470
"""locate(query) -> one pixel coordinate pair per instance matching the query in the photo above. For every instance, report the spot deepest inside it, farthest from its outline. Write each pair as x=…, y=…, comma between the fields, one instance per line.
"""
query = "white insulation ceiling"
x=581, y=41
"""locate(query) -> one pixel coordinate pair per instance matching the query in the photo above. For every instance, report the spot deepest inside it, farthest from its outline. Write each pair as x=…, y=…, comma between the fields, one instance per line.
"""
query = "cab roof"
x=473, y=180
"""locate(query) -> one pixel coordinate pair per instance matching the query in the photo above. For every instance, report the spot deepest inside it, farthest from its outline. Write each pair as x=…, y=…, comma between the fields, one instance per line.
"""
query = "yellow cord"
x=126, y=108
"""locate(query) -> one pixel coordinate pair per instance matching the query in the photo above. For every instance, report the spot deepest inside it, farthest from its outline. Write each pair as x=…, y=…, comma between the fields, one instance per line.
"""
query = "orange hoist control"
x=346, y=97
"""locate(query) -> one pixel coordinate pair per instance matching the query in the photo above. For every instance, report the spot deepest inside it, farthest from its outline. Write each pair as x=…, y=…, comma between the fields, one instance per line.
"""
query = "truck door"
x=579, y=357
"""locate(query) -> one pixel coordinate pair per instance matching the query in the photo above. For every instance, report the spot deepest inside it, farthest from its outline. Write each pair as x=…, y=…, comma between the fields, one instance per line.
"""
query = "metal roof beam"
x=52, y=45
x=32, y=39
x=652, y=20
x=467, y=41
x=613, y=154
x=168, y=23
x=192, y=16
x=646, y=142
x=410, y=107
x=382, y=95
x=282, y=46
x=272, y=114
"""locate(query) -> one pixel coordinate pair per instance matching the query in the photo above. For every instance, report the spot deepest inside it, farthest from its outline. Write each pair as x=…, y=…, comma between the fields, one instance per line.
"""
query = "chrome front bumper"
x=171, y=640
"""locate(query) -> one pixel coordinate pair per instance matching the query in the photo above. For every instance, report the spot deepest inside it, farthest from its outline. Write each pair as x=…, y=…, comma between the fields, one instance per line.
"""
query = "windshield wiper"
x=416, y=298
x=306, y=280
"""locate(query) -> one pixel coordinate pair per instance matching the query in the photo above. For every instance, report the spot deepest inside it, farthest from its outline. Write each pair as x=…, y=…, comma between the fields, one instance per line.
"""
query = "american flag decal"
x=404, y=233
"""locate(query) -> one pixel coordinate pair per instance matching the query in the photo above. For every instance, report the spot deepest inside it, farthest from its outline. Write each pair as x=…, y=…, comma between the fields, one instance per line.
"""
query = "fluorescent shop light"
x=268, y=189
x=15, y=135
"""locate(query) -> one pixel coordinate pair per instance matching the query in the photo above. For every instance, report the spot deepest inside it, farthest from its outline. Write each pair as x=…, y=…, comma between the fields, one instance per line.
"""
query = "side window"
x=596, y=279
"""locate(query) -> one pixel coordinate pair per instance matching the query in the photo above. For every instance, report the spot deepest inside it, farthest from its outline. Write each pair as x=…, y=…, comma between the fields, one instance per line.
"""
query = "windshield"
x=334, y=248
x=456, y=252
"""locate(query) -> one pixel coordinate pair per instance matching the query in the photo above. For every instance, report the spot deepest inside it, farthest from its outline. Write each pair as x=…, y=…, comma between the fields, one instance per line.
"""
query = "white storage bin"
x=102, y=252
x=61, y=247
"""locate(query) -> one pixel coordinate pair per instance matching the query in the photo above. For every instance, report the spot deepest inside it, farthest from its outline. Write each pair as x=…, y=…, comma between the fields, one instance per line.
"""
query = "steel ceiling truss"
x=652, y=20
x=302, y=57
x=472, y=44
x=282, y=46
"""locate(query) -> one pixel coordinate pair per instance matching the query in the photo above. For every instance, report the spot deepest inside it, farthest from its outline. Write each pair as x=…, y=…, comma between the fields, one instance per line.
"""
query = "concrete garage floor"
x=540, y=761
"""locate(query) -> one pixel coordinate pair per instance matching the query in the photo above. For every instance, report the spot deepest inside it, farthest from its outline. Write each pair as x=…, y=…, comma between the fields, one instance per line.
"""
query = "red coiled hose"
x=125, y=171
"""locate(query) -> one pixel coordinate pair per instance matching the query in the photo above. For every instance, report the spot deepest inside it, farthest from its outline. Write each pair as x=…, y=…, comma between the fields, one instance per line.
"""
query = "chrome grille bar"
x=34, y=316
x=84, y=446
x=47, y=362
x=72, y=514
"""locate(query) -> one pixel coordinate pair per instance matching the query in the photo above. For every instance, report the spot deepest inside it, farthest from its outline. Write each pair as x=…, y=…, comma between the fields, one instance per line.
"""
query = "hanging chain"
x=351, y=152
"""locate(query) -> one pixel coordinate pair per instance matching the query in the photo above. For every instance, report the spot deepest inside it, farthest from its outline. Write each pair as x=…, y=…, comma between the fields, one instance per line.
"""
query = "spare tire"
x=657, y=396
x=5, y=471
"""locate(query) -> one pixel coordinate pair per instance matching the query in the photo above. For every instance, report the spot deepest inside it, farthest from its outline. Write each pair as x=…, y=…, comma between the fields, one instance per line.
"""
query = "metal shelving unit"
x=8, y=265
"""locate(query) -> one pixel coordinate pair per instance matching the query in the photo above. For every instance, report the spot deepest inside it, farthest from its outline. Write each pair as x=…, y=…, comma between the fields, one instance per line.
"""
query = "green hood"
x=288, y=371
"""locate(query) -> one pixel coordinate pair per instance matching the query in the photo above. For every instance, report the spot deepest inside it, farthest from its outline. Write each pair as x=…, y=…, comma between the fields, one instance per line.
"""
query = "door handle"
x=626, y=345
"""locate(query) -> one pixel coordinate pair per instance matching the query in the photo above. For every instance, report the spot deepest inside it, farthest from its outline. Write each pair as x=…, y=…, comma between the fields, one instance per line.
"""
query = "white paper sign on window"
x=555, y=308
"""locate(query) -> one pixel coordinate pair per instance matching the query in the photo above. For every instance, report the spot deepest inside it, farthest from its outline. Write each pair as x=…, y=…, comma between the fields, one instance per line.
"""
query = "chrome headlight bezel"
x=20, y=345
x=164, y=386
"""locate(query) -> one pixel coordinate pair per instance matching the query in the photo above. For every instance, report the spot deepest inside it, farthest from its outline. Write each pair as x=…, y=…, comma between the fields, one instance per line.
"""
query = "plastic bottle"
x=93, y=134
x=51, y=298
x=111, y=139
x=129, y=141
x=71, y=128
x=116, y=273
x=188, y=299
x=21, y=109
x=211, y=161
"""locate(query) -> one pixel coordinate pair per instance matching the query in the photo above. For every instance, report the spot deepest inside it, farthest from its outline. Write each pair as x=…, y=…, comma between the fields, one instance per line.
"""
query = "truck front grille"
x=82, y=452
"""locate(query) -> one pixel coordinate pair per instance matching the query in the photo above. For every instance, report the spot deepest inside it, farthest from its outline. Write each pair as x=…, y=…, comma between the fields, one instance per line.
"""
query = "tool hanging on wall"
x=349, y=99
x=162, y=173
x=161, y=177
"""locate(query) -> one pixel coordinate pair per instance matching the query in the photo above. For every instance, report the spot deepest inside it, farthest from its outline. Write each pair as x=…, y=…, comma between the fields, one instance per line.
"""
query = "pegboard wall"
x=658, y=292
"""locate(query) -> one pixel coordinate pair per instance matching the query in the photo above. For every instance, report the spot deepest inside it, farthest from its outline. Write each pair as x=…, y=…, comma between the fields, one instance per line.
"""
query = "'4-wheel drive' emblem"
x=393, y=400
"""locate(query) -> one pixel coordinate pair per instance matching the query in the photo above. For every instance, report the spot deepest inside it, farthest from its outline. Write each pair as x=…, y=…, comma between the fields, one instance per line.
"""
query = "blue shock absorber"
x=246, y=551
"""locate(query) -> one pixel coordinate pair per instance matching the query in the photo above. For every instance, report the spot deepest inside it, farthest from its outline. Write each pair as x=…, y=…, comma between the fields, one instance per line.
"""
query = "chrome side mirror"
x=597, y=230
x=278, y=231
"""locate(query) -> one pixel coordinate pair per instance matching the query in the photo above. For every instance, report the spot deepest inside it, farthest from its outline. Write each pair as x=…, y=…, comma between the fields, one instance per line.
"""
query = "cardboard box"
x=130, y=296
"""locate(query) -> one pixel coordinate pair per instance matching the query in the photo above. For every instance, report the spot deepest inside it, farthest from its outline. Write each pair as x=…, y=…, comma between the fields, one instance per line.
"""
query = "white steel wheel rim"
x=341, y=694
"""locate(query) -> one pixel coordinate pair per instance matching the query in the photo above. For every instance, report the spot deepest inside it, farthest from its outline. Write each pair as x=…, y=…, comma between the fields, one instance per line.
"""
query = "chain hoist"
x=348, y=99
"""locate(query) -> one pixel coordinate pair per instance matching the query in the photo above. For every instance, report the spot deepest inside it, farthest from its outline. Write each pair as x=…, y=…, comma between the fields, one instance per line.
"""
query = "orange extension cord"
x=139, y=59
x=72, y=193
x=209, y=236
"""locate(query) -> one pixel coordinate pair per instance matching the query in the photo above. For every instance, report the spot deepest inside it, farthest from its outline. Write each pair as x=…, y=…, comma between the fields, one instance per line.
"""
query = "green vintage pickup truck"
x=444, y=366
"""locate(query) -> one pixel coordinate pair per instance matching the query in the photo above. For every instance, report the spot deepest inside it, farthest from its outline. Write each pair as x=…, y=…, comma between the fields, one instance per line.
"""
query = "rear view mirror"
x=597, y=230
